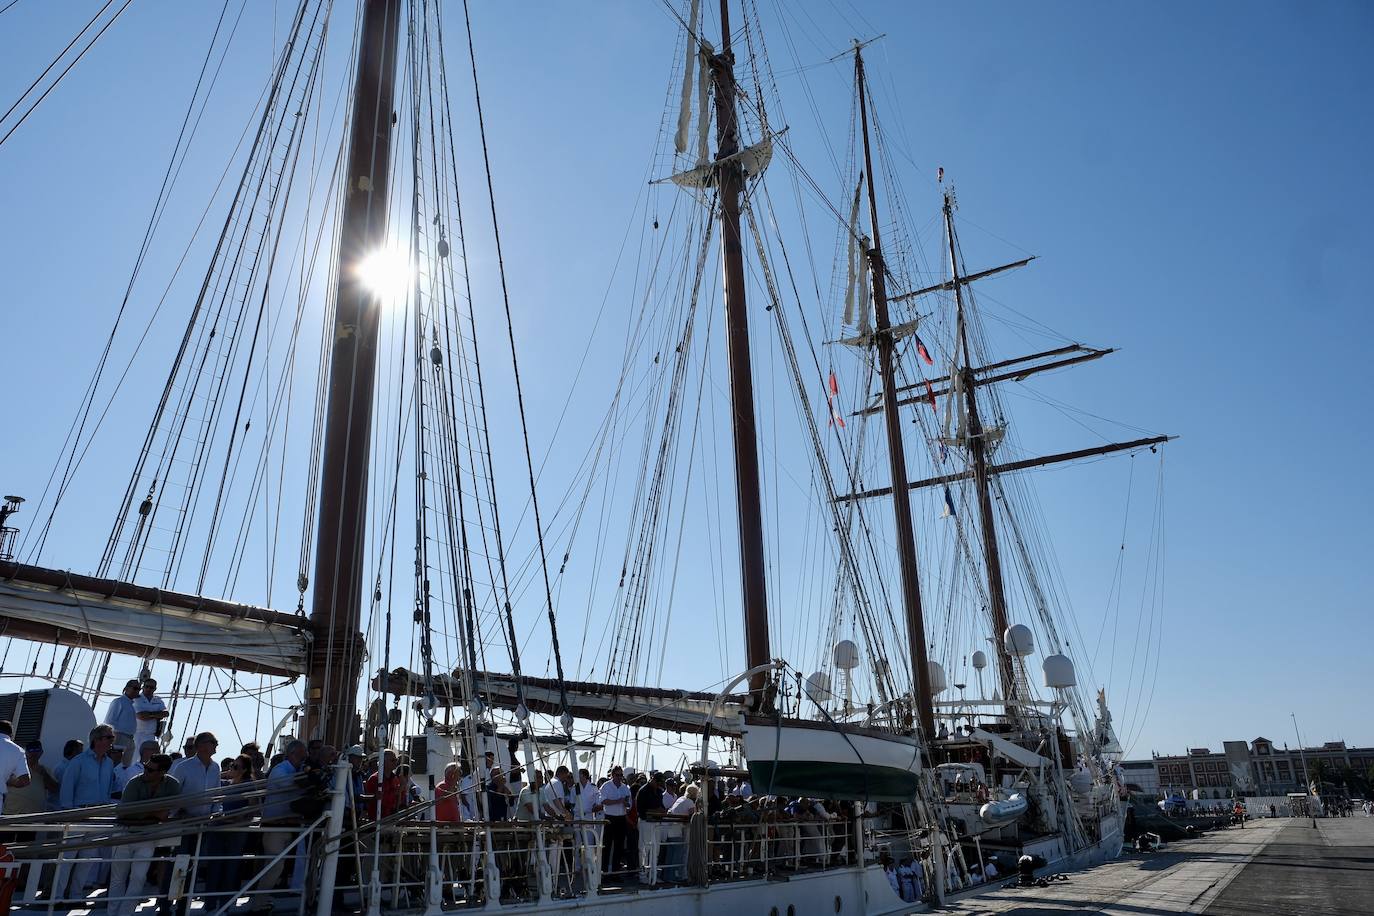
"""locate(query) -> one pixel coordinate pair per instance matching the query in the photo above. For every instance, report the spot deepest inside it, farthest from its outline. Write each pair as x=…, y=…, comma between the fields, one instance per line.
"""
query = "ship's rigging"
x=215, y=471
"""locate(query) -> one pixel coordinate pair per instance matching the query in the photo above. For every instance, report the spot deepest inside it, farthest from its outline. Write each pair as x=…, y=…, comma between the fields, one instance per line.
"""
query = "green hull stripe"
x=825, y=779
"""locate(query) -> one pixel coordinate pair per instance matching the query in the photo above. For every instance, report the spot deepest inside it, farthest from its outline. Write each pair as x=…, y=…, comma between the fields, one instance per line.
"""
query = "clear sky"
x=1195, y=179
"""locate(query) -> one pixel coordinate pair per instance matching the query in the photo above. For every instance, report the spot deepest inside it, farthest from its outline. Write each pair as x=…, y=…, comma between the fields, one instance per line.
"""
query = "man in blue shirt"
x=283, y=787
x=88, y=780
x=120, y=716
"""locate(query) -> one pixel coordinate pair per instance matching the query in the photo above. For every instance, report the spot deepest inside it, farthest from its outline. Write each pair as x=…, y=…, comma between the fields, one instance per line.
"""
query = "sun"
x=385, y=272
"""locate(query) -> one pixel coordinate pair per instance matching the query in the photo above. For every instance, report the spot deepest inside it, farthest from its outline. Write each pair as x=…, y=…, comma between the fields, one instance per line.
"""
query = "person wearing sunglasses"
x=129, y=870
x=87, y=781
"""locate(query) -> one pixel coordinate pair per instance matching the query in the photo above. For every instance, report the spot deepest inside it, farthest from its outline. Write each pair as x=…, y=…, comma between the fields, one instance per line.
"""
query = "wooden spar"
x=748, y=507
x=1010, y=466
x=997, y=596
x=949, y=284
x=896, y=452
x=1018, y=374
x=336, y=652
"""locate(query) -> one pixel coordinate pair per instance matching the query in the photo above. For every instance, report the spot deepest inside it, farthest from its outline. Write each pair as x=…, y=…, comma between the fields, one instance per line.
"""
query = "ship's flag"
x=949, y=505
x=930, y=396
x=832, y=394
x=921, y=349
x=944, y=452
x=940, y=174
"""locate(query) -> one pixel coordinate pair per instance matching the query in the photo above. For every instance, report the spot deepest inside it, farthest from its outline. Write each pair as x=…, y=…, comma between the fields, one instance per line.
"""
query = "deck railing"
x=401, y=861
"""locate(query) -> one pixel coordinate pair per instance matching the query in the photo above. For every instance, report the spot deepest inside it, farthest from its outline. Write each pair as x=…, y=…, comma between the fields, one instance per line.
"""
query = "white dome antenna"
x=846, y=657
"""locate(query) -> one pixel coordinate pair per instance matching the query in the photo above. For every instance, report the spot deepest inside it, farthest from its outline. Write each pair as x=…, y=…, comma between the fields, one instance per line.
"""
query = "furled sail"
x=649, y=707
x=54, y=606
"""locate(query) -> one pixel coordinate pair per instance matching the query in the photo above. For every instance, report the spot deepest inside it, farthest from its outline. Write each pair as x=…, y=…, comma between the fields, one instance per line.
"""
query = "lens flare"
x=385, y=273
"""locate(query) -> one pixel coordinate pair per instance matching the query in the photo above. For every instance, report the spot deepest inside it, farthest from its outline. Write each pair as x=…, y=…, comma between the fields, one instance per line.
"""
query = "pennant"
x=949, y=505
x=921, y=349
x=930, y=394
x=831, y=395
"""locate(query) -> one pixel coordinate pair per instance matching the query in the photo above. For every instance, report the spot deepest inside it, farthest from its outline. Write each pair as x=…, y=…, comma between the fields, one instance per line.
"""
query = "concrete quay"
x=1279, y=867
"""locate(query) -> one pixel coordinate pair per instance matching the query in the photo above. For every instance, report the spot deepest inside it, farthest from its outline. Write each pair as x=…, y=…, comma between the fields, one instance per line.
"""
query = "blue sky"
x=1193, y=178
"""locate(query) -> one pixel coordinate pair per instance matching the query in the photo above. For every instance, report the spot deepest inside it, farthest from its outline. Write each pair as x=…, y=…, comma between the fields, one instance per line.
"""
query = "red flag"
x=930, y=393
x=831, y=395
x=921, y=349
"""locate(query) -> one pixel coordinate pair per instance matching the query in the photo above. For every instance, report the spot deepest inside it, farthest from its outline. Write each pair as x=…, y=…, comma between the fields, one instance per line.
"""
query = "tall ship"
x=803, y=454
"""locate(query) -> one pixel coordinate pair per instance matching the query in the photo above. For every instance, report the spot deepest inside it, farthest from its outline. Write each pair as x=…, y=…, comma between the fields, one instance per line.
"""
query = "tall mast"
x=729, y=182
x=981, y=479
x=336, y=652
x=896, y=453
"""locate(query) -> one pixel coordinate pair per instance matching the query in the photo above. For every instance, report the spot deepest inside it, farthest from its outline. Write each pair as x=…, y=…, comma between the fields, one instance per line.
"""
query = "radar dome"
x=1059, y=671
x=980, y=659
x=938, y=684
x=818, y=687
x=846, y=655
x=1019, y=640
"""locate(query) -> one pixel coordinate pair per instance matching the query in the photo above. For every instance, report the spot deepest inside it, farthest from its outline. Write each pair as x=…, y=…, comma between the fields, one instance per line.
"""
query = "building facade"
x=1141, y=776
x=1257, y=768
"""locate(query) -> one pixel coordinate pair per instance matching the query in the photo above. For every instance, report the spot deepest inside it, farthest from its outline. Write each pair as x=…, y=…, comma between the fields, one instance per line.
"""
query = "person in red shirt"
x=446, y=807
x=384, y=791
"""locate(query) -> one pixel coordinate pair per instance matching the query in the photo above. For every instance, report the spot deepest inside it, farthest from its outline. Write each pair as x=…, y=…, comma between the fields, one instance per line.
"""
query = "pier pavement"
x=1278, y=867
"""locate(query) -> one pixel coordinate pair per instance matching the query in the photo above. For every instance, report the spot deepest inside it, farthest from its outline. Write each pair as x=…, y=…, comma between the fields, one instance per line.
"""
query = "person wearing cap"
x=357, y=758
x=149, y=712
x=121, y=716
x=32, y=798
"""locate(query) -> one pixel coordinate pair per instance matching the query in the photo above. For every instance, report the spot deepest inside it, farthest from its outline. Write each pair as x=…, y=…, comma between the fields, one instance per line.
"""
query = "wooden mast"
x=896, y=453
x=981, y=479
x=336, y=653
x=729, y=183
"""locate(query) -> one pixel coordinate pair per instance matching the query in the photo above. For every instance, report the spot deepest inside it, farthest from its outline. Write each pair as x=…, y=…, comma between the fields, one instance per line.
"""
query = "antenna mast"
x=896, y=453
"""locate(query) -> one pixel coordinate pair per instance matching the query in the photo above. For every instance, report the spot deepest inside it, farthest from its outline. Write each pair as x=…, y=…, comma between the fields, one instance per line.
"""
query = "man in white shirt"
x=14, y=766
x=149, y=711
x=121, y=717
x=199, y=774
x=615, y=805
x=673, y=835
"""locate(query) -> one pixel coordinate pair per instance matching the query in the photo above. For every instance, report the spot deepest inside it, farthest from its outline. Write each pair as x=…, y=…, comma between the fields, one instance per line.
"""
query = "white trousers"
x=127, y=877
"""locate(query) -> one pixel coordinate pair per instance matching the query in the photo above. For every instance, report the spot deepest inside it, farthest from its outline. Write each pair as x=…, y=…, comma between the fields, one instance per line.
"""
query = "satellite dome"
x=938, y=684
x=1019, y=640
x=980, y=659
x=1059, y=671
x=818, y=687
x=846, y=655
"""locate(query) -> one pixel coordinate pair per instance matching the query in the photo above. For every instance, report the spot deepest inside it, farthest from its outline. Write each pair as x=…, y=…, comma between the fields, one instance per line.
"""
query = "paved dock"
x=1279, y=866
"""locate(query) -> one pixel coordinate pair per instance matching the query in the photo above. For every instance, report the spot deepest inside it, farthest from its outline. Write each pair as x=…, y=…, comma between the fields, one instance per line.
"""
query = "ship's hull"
x=821, y=760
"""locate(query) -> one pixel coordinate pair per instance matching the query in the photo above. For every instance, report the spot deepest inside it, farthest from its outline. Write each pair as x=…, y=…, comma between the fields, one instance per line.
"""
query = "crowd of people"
x=239, y=811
